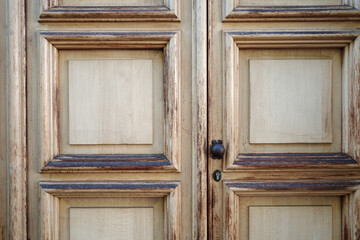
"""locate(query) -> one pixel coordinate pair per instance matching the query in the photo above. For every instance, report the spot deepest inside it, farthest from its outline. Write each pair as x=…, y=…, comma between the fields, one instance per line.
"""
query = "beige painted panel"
x=290, y=101
x=111, y=223
x=297, y=222
x=255, y=134
x=119, y=207
x=156, y=58
x=288, y=2
x=289, y=217
x=110, y=2
x=110, y=101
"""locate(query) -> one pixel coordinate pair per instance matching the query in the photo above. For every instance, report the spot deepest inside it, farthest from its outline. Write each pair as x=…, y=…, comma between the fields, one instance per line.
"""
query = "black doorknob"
x=217, y=149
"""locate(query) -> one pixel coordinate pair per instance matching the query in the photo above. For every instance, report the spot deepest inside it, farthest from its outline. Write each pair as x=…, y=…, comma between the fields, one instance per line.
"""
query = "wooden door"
x=110, y=120
x=283, y=98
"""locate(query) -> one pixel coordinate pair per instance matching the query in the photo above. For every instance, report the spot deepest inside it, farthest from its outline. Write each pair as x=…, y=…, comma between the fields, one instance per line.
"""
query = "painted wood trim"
x=107, y=161
x=16, y=125
x=52, y=42
x=296, y=160
x=199, y=119
x=354, y=98
x=233, y=13
x=257, y=185
x=349, y=190
x=348, y=41
x=52, y=12
x=51, y=193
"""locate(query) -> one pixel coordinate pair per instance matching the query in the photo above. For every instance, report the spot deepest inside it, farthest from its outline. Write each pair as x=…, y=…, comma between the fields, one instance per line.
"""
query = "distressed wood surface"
x=239, y=195
x=236, y=29
x=55, y=193
x=296, y=160
x=93, y=162
x=102, y=34
x=16, y=114
x=110, y=11
x=235, y=40
x=290, y=11
x=3, y=126
x=53, y=42
x=287, y=2
x=109, y=3
x=199, y=120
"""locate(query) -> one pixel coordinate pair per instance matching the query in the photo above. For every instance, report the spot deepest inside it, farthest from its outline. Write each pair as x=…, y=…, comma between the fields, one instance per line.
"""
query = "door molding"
x=16, y=125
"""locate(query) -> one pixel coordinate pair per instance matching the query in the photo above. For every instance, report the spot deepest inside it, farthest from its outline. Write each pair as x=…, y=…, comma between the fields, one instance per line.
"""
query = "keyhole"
x=217, y=175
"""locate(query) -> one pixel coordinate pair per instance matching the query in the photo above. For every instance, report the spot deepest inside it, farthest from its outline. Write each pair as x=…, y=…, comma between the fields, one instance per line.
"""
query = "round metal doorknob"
x=217, y=149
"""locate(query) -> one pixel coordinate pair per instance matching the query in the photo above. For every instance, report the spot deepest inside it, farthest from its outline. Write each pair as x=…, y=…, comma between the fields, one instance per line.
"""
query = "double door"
x=125, y=98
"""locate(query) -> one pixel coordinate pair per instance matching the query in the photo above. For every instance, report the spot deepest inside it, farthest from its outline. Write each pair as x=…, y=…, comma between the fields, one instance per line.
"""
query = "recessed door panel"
x=111, y=223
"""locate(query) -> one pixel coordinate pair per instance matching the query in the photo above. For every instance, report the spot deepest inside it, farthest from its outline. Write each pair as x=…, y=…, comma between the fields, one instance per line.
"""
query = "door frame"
x=16, y=170
x=16, y=119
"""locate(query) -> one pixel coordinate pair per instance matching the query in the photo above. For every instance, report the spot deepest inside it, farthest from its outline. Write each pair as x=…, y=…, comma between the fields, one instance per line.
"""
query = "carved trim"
x=89, y=161
x=52, y=42
x=346, y=40
x=295, y=160
x=349, y=190
x=52, y=12
x=52, y=192
x=234, y=13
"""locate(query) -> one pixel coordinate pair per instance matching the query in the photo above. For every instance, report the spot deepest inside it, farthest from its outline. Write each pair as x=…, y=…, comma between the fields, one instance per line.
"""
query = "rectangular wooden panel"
x=290, y=222
x=290, y=101
x=110, y=2
x=110, y=101
x=111, y=223
x=288, y=2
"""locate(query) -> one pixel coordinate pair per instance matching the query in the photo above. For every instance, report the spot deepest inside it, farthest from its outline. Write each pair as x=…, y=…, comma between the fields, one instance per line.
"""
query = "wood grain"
x=59, y=197
x=110, y=11
x=16, y=115
x=88, y=3
x=111, y=223
x=199, y=121
x=53, y=42
x=290, y=101
x=111, y=101
x=289, y=11
x=290, y=222
x=3, y=126
x=287, y=2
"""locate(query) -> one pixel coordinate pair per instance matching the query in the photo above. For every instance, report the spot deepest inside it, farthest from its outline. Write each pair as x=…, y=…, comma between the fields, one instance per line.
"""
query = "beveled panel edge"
x=52, y=192
x=234, y=13
x=348, y=190
x=296, y=160
x=347, y=40
x=53, y=41
x=53, y=186
x=107, y=162
x=240, y=186
x=51, y=12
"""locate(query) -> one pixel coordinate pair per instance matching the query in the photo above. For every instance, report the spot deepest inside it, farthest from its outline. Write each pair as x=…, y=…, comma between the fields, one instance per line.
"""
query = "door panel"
x=109, y=114
x=281, y=103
